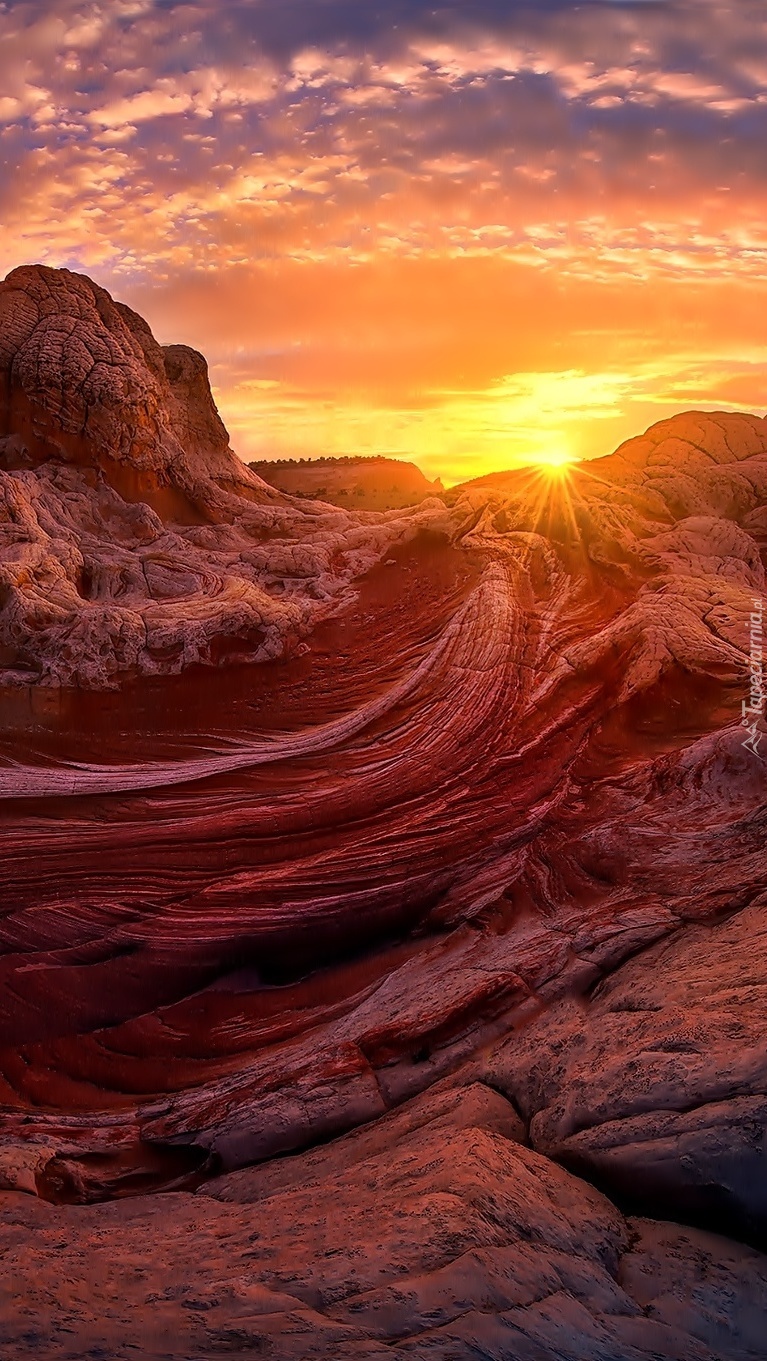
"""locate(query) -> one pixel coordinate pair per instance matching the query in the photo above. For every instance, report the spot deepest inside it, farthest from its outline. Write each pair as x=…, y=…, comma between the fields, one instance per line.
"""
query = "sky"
x=472, y=234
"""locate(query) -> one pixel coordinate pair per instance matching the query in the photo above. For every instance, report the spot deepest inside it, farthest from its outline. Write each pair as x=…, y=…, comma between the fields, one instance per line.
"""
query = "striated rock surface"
x=132, y=540
x=374, y=955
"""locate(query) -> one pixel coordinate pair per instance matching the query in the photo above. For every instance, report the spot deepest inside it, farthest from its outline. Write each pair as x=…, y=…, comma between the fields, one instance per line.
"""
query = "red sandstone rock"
x=488, y=827
x=132, y=540
x=436, y=1241
x=657, y=1084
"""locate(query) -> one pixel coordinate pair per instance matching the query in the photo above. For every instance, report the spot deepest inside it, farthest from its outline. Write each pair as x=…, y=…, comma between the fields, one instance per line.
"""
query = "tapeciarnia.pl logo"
x=753, y=710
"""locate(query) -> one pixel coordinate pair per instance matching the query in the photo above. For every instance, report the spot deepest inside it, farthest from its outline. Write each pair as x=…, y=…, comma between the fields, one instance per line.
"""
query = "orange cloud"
x=453, y=237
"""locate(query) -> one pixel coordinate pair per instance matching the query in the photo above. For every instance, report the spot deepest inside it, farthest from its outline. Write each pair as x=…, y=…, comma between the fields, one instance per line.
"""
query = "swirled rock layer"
x=419, y=925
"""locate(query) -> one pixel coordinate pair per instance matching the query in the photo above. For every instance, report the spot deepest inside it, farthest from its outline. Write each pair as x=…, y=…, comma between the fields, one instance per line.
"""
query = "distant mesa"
x=375, y=483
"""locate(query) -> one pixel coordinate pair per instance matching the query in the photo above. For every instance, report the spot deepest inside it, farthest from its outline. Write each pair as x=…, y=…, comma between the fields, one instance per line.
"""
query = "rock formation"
x=451, y=1240
x=423, y=968
x=132, y=540
x=376, y=483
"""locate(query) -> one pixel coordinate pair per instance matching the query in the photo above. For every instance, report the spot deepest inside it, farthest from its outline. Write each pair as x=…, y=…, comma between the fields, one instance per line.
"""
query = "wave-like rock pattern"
x=492, y=830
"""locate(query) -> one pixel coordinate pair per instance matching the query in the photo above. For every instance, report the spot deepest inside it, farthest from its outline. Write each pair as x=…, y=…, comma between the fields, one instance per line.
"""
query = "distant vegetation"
x=329, y=461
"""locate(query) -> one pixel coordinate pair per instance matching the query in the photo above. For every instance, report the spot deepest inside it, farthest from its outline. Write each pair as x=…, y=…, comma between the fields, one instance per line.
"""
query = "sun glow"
x=554, y=465
x=549, y=493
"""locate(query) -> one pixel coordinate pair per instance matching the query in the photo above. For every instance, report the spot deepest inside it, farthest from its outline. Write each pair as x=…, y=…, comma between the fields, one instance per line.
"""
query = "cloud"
x=387, y=202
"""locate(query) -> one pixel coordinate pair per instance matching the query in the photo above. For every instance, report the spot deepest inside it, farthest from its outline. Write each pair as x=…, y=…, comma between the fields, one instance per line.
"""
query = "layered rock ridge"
x=424, y=972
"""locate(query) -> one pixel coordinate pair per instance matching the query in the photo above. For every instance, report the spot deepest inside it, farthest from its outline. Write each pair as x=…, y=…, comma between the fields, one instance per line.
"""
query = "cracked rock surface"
x=132, y=540
x=447, y=1239
x=421, y=965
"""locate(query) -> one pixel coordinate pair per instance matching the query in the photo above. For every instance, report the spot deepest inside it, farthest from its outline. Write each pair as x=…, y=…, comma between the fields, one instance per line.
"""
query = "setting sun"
x=375, y=247
x=555, y=465
x=383, y=515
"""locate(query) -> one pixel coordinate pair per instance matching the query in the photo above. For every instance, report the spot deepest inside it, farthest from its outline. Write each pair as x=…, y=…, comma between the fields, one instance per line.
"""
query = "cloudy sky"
x=472, y=233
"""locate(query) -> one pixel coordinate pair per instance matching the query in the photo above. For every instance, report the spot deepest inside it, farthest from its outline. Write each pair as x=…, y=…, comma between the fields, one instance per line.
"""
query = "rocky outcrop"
x=442, y=1239
x=656, y=1084
x=85, y=382
x=132, y=540
x=441, y=917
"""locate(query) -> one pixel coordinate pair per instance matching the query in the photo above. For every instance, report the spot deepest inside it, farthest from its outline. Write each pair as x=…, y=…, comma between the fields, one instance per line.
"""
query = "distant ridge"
x=374, y=482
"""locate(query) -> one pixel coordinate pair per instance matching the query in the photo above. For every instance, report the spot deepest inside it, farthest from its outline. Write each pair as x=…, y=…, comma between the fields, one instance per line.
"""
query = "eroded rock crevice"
x=412, y=862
